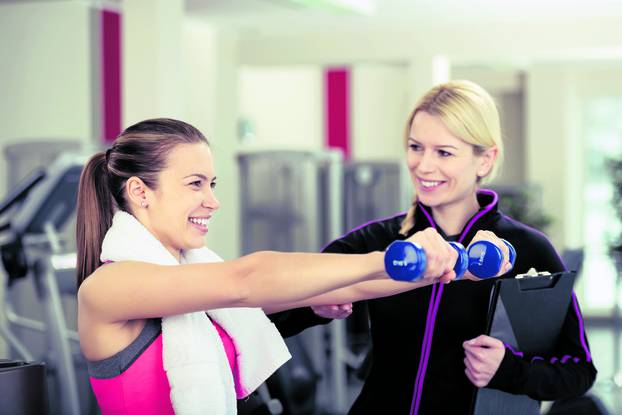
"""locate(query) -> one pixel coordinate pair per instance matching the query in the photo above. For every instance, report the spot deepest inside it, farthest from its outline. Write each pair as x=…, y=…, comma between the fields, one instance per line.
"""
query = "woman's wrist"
x=377, y=264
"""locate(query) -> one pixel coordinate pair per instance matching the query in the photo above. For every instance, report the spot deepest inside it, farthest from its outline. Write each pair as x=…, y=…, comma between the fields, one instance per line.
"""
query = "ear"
x=136, y=192
x=487, y=161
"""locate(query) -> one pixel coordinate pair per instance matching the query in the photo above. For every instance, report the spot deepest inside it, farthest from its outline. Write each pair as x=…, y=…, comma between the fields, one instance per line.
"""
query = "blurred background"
x=305, y=104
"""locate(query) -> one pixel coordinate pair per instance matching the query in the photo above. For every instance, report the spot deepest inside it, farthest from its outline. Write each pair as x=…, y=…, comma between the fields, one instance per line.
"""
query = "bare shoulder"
x=99, y=336
x=89, y=287
x=95, y=289
x=112, y=275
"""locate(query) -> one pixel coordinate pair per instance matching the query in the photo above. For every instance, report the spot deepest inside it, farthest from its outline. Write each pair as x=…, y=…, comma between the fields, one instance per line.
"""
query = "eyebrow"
x=202, y=176
x=441, y=146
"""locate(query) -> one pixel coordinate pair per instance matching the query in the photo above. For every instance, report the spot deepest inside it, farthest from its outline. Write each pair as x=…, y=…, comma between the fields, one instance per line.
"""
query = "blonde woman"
x=429, y=352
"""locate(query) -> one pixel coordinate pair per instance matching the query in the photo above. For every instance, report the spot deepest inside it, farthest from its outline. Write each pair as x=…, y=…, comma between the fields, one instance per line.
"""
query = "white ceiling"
x=285, y=16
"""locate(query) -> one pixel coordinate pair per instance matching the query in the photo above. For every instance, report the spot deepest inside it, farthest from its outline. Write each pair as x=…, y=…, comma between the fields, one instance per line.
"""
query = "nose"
x=426, y=162
x=210, y=201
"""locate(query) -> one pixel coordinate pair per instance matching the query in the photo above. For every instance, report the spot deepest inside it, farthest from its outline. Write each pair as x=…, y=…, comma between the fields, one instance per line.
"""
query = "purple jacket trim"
x=553, y=359
x=514, y=352
x=431, y=325
x=427, y=215
x=414, y=405
x=588, y=356
x=495, y=199
x=534, y=230
x=427, y=341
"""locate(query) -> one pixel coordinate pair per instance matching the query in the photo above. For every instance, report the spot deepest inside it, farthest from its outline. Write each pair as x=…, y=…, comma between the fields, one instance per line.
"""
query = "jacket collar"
x=488, y=202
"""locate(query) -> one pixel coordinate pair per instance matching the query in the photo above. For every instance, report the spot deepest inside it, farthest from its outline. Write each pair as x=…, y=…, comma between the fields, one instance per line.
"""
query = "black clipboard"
x=528, y=314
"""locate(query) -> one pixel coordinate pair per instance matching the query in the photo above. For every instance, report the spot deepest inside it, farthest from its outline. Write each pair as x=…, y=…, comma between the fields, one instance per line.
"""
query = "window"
x=603, y=140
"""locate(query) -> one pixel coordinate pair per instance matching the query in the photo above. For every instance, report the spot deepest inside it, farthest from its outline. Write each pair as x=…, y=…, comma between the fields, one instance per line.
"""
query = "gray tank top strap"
x=115, y=365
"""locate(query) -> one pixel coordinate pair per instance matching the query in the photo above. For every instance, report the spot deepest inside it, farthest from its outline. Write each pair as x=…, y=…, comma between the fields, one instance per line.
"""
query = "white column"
x=152, y=59
x=211, y=104
x=425, y=72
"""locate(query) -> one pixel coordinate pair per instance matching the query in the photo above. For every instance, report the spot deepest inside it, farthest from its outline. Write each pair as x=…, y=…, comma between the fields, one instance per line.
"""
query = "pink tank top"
x=133, y=381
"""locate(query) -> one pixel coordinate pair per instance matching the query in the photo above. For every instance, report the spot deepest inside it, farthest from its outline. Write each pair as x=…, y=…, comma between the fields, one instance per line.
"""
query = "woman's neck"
x=452, y=218
x=176, y=253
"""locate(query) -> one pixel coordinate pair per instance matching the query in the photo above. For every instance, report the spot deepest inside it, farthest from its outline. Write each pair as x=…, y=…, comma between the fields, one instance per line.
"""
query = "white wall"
x=45, y=76
x=506, y=85
x=45, y=73
x=284, y=105
x=379, y=107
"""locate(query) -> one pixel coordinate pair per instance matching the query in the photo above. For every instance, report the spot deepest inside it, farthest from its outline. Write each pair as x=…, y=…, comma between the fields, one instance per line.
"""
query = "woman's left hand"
x=483, y=355
x=489, y=236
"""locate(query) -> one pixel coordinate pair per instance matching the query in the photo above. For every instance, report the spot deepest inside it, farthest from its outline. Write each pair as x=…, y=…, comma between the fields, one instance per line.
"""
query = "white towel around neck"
x=194, y=357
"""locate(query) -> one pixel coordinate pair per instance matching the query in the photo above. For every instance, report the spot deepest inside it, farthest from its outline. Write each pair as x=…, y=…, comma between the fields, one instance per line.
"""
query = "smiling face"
x=179, y=210
x=444, y=169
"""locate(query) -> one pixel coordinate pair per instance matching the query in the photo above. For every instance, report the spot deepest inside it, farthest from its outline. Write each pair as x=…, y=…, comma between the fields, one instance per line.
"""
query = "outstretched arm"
x=440, y=256
x=132, y=290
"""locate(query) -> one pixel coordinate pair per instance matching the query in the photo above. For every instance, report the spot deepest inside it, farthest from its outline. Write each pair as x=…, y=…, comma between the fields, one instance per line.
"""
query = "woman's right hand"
x=440, y=261
x=338, y=312
x=440, y=256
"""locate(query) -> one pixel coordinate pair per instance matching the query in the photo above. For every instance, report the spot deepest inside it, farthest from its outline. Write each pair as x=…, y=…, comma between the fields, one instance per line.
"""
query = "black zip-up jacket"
x=401, y=380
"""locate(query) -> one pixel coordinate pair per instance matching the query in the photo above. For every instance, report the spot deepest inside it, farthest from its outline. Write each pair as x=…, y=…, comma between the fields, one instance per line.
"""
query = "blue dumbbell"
x=406, y=261
x=485, y=258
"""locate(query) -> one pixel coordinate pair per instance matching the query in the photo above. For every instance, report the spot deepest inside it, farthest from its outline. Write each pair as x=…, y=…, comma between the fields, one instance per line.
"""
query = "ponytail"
x=94, y=217
x=409, y=221
x=142, y=151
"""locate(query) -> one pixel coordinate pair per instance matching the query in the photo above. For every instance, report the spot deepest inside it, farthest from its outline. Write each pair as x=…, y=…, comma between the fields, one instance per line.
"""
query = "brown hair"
x=468, y=112
x=140, y=151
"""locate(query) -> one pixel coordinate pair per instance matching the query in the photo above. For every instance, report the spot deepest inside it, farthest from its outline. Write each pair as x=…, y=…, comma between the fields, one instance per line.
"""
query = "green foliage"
x=614, y=167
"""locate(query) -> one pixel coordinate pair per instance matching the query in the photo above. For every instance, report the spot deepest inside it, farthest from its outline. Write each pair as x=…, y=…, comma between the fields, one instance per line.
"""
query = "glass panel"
x=603, y=140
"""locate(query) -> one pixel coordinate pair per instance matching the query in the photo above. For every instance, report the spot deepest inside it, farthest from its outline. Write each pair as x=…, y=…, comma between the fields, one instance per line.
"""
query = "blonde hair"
x=468, y=112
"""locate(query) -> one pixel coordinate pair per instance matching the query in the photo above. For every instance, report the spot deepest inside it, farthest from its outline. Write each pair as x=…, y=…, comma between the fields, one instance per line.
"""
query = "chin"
x=196, y=244
x=429, y=200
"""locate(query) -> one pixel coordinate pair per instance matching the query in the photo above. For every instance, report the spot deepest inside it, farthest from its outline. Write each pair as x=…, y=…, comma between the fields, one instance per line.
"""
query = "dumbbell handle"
x=406, y=261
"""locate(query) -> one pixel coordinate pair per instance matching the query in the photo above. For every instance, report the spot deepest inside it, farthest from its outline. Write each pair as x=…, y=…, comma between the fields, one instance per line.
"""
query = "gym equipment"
x=406, y=261
x=23, y=388
x=30, y=244
x=296, y=197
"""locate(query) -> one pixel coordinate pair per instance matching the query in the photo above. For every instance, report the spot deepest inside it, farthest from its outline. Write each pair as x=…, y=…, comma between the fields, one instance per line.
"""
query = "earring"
x=143, y=203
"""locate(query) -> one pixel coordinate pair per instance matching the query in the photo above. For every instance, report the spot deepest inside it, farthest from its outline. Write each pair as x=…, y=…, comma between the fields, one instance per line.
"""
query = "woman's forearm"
x=270, y=278
x=356, y=292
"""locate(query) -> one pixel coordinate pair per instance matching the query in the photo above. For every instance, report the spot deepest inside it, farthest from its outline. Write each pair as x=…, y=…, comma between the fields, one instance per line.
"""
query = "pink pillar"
x=110, y=74
x=337, y=109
